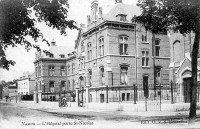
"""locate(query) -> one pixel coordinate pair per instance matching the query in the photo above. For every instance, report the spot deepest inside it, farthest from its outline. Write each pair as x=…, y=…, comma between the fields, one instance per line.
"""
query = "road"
x=20, y=117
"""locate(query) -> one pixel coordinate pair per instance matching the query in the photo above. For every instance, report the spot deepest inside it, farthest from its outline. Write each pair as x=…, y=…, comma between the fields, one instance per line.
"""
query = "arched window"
x=51, y=70
x=101, y=46
x=51, y=86
x=157, y=47
x=178, y=51
x=123, y=45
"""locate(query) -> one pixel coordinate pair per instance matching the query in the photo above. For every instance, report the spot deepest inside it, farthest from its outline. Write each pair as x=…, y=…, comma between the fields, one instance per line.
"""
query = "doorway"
x=186, y=89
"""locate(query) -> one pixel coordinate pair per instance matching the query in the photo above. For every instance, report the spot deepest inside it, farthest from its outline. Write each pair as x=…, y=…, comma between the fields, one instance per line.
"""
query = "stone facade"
x=111, y=51
x=122, y=41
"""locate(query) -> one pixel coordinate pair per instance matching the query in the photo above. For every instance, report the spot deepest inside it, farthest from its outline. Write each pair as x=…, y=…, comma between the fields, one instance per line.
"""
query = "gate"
x=157, y=95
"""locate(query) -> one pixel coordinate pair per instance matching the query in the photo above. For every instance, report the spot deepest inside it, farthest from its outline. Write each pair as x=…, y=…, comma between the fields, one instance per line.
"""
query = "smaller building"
x=11, y=91
x=26, y=84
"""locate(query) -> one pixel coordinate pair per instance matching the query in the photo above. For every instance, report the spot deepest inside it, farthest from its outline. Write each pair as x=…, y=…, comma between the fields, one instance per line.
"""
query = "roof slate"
x=129, y=10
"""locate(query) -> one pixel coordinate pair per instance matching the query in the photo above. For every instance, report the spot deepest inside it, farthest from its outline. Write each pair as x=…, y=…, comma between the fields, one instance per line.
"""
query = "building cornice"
x=96, y=28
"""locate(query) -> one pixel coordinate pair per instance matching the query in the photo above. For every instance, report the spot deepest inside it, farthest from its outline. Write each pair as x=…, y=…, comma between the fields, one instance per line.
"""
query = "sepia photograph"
x=99, y=64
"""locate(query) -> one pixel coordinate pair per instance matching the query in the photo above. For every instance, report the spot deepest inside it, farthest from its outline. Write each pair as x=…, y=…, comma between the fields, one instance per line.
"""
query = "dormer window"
x=62, y=56
x=121, y=17
x=51, y=55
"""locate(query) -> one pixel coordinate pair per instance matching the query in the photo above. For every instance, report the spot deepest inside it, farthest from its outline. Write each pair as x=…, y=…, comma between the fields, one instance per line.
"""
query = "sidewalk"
x=71, y=110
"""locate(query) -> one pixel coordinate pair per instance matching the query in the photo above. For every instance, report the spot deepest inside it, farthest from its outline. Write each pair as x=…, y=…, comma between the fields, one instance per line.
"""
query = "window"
x=123, y=96
x=62, y=85
x=82, y=47
x=158, y=75
x=36, y=72
x=123, y=46
x=51, y=55
x=144, y=36
x=51, y=70
x=128, y=96
x=68, y=84
x=102, y=76
x=39, y=71
x=68, y=70
x=102, y=98
x=101, y=46
x=124, y=79
x=62, y=56
x=145, y=58
x=73, y=84
x=90, y=77
x=157, y=47
x=62, y=70
x=51, y=85
x=121, y=17
x=73, y=68
x=89, y=51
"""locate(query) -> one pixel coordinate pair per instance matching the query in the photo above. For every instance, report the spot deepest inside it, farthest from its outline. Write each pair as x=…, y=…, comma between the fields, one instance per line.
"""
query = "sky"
x=78, y=11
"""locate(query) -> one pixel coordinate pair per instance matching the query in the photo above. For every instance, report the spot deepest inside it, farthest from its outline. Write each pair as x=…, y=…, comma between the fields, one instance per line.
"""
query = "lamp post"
x=16, y=95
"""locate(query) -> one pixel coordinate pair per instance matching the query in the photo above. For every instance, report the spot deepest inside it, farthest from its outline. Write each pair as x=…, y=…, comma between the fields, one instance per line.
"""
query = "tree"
x=17, y=22
x=175, y=16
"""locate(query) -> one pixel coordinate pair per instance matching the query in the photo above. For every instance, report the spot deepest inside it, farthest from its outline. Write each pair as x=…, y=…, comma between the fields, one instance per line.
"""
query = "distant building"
x=50, y=70
x=26, y=84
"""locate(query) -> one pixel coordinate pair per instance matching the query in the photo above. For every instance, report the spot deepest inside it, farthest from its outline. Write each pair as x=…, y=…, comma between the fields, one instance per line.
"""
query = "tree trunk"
x=193, y=87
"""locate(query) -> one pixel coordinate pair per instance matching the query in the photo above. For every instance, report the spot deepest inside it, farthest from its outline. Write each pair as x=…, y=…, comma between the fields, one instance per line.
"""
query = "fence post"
x=107, y=93
x=146, y=104
x=172, y=97
x=134, y=88
x=47, y=97
x=160, y=97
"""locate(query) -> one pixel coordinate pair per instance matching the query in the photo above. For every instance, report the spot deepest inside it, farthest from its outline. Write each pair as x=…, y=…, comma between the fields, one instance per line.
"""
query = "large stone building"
x=111, y=52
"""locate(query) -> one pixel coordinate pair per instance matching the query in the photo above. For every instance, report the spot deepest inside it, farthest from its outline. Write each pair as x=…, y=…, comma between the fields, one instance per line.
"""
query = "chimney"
x=82, y=26
x=53, y=43
x=100, y=12
x=94, y=9
x=88, y=20
x=69, y=54
x=118, y=1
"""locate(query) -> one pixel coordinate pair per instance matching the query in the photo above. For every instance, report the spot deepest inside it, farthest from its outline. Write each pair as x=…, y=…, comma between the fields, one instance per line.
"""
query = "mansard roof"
x=120, y=8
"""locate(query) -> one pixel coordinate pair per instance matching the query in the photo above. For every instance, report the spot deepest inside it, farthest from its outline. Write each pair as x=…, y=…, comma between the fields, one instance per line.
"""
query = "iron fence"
x=55, y=96
x=164, y=93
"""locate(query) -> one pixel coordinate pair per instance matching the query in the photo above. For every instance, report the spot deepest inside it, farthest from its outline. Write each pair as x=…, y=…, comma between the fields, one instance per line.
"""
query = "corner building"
x=114, y=53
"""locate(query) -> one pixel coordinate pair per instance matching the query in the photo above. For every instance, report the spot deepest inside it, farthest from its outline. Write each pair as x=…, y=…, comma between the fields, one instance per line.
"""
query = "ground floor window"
x=123, y=96
x=102, y=98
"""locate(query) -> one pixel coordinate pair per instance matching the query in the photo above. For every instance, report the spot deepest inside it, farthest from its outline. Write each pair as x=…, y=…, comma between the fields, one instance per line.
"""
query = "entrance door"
x=145, y=86
x=186, y=89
